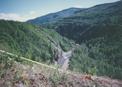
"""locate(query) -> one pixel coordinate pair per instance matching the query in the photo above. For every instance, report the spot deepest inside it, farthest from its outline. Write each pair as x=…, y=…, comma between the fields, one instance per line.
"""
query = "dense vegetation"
x=95, y=56
x=87, y=24
x=30, y=41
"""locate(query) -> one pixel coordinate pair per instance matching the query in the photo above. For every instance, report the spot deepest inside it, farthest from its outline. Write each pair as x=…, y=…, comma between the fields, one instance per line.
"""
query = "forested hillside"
x=29, y=40
x=81, y=26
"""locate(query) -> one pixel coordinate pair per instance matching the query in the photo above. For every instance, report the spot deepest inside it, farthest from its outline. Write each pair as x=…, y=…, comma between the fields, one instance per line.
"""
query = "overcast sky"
x=22, y=10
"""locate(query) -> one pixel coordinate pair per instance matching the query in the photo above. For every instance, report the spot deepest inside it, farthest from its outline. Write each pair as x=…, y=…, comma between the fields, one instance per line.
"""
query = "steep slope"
x=28, y=73
x=29, y=40
x=75, y=27
x=53, y=17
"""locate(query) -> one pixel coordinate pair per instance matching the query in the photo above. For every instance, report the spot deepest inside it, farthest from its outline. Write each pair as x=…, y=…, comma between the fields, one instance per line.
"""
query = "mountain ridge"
x=43, y=19
x=53, y=17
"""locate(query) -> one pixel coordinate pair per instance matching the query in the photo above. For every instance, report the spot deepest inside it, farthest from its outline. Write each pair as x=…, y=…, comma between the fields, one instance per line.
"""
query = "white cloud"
x=17, y=17
x=11, y=16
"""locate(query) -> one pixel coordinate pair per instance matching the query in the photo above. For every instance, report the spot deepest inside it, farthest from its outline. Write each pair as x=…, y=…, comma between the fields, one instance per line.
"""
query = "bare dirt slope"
x=31, y=74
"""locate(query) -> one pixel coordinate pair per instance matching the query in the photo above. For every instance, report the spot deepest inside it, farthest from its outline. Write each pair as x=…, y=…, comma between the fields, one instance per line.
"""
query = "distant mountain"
x=81, y=26
x=53, y=17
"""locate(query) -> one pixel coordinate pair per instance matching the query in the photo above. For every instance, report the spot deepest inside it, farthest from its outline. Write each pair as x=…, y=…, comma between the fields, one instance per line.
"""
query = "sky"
x=23, y=10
